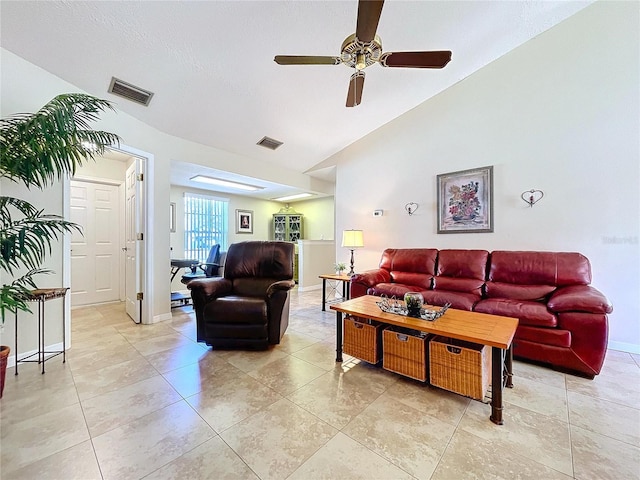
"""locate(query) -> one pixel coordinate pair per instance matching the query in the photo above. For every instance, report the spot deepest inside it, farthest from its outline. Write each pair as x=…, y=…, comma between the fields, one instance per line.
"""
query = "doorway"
x=94, y=275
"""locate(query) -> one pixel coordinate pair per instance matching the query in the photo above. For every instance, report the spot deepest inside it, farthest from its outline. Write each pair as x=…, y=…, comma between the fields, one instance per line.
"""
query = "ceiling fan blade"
x=368, y=17
x=306, y=60
x=436, y=59
x=354, y=96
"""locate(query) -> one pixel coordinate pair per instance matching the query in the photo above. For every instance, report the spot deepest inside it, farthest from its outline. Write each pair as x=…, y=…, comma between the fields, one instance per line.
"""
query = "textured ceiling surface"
x=210, y=63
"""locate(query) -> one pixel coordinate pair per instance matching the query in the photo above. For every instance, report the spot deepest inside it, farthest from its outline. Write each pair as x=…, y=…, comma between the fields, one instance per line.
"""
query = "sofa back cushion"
x=410, y=260
x=463, y=264
x=539, y=268
x=537, y=293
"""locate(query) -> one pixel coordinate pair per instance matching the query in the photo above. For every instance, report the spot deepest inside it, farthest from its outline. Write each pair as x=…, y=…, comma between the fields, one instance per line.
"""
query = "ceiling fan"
x=364, y=48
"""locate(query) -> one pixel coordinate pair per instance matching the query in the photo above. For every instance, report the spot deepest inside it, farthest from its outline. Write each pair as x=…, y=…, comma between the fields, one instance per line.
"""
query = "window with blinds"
x=205, y=224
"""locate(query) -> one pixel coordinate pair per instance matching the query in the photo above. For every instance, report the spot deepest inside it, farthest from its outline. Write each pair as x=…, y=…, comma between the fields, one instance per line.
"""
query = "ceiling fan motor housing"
x=354, y=52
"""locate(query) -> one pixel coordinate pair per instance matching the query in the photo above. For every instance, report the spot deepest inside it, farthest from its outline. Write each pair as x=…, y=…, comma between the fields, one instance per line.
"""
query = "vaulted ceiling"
x=210, y=63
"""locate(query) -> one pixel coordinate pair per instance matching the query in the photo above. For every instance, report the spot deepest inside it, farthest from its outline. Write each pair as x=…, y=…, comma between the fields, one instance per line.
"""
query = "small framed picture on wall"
x=244, y=221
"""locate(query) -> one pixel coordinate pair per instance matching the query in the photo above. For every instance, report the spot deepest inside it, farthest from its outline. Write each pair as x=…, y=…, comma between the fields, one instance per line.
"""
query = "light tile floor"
x=147, y=401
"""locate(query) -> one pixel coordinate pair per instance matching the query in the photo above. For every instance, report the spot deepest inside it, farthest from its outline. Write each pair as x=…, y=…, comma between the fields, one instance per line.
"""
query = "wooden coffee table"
x=491, y=330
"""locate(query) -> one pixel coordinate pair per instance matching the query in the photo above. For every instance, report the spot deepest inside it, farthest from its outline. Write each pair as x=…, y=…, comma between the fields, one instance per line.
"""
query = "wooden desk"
x=492, y=330
x=345, y=279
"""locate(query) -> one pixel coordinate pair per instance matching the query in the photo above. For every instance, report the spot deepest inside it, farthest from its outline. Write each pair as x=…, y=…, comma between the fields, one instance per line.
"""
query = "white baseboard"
x=310, y=287
x=11, y=360
x=624, y=347
x=162, y=318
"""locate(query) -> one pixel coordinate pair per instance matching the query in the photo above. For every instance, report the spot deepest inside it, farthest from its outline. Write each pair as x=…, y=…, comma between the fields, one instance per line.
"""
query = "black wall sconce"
x=411, y=208
x=532, y=196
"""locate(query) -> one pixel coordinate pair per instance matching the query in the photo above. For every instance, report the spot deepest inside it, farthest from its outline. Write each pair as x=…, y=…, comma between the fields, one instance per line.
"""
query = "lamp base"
x=351, y=272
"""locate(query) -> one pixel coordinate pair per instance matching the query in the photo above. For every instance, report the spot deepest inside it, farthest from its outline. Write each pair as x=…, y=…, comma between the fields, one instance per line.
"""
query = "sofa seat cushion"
x=466, y=285
x=518, y=292
x=235, y=309
x=458, y=300
x=529, y=313
x=394, y=290
x=547, y=336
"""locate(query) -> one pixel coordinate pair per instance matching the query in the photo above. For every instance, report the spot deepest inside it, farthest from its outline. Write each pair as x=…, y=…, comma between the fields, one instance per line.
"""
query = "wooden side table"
x=345, y=279
x=40, y=296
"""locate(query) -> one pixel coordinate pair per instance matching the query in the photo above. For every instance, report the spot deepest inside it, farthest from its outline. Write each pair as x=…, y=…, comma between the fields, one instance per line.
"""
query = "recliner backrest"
x=257, y=259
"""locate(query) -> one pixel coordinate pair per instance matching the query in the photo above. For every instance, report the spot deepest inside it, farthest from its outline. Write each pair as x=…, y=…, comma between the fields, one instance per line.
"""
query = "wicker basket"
x=362, y=339
x=460, y=367
x=405, y=352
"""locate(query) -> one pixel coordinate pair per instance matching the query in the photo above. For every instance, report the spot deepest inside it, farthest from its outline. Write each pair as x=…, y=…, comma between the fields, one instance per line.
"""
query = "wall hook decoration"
x=411, y=207
x=532, y=196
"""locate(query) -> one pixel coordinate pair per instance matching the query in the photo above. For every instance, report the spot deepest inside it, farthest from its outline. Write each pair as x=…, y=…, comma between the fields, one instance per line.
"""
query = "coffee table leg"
x=324, y=294
x=496, y=386
x=338, y=336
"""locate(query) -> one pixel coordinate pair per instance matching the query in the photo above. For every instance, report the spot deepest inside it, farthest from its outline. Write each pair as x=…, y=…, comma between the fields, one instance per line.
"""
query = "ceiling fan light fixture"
x=224, y=183
x=361, y=61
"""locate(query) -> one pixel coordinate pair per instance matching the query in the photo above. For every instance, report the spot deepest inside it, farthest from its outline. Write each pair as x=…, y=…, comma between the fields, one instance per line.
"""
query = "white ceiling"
x=210, y=64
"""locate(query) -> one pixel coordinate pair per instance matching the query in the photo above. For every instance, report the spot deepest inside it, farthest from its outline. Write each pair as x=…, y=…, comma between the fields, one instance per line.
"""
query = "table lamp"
x=352, y=239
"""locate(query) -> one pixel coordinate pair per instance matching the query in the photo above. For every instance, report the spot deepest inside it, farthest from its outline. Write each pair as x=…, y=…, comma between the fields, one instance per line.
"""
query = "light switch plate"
x=377, y=213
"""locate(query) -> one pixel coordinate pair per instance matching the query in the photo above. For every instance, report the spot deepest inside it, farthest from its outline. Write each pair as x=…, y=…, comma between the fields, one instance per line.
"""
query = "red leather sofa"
x=563, y=320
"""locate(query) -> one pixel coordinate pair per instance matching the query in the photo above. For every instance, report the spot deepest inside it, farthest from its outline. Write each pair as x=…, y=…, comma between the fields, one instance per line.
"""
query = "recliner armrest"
x=211, y=287
x=579, y=298
x=280, y=285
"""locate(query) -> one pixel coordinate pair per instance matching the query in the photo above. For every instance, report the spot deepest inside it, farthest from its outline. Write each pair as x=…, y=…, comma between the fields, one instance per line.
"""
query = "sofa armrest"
x=579, y=298
x=361, y=282
x=210, y=288
x=282, y=285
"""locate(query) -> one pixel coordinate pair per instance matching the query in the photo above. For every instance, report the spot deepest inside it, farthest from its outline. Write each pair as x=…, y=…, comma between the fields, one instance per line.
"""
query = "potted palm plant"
x=37, y=150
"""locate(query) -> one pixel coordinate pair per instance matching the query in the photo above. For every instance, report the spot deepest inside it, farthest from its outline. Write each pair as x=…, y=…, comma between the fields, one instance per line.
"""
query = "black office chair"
x=210, y=268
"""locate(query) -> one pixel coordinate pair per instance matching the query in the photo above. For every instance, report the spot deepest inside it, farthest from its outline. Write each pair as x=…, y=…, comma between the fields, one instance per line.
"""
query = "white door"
x=95, y=272
x=133, y=240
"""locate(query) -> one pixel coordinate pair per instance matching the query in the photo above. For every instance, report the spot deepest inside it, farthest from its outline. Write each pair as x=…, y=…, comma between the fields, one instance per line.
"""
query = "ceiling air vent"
x=269, y=143
x=130, y=92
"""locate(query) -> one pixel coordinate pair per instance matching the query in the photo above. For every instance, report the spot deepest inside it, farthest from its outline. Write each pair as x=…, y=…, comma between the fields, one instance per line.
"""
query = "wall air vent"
x=269, y=143
x=130, y=92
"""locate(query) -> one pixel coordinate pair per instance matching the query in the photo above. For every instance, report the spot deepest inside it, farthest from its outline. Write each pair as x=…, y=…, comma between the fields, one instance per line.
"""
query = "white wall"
x=315, y=257
x=560, y=114
x=319, y=217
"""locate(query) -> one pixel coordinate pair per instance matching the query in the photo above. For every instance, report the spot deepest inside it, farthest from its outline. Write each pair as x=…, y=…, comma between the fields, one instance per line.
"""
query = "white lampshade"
x=352, y=239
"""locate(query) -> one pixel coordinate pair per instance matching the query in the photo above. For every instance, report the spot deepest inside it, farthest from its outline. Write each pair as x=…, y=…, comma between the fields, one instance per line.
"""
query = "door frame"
x=146, y=264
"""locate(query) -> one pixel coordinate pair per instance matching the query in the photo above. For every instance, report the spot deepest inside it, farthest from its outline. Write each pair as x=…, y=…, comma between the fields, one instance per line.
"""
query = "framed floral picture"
x=244, y=221
x=465, y=201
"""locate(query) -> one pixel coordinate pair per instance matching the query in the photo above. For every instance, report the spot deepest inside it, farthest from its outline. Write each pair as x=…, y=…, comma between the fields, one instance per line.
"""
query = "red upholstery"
x=463, y=264
x=459, y=300
x=539, y=268
x=562, y=319
x=518, y=292
x=580, y=298
x=548, y=336
x=529, y=313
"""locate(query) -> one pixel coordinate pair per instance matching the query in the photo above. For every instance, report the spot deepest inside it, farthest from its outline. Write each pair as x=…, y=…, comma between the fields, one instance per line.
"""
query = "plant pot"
x=414, y=301
x=4, y=357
